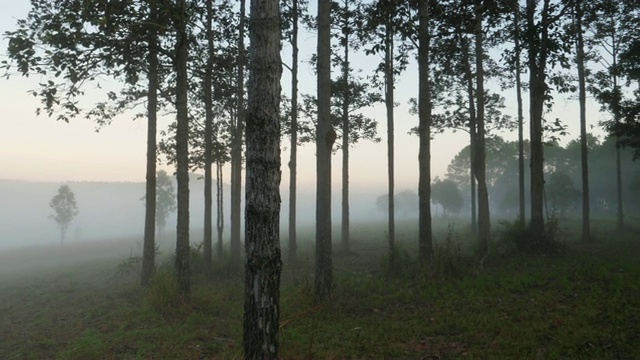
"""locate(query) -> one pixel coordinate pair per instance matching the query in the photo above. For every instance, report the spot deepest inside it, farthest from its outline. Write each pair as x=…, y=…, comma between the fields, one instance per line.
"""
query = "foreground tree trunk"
x=425, y=236
x=325, y=137
x=149, y=247
x=538, y=53
x=219, y=207
x=236, y=151
x=616, y=115
x=262, y=214
x=182, y=152
x=586, y=224
x=208, y=146
x=346, y=30
x=521, y=192
x=484, y=221
x=293, y=160
x=472, y=132
x=389, y=102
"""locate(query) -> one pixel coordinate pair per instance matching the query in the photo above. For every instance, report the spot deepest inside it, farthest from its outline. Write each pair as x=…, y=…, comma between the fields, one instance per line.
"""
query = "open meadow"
x=83, y=301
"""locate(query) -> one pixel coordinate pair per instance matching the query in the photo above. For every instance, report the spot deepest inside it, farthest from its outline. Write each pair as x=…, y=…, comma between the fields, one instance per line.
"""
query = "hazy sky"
x=40, y=148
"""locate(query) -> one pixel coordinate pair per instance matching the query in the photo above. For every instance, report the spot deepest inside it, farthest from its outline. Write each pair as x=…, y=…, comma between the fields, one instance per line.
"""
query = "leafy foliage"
x=406, y=203
x=561, y=192
x=445, y=192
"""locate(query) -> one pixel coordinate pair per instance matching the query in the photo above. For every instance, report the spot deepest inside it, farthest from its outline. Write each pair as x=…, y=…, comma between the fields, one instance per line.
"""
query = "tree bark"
x=538, y=52
x=424, y=156
x=586, y=224
x=182, y=153
x=521, y=190
x=345, y=132
x=293, y=159
x=208, y=146
x=472, y=132
x=236, y=151
x=615, y=43
x=484, y=221
x=219, y=208
x=149, y=247
x=325, y=137
x=389, y=102
x=262, y=214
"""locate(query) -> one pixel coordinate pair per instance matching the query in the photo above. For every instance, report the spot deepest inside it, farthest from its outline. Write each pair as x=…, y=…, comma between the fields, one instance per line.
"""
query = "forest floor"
x=584, y=303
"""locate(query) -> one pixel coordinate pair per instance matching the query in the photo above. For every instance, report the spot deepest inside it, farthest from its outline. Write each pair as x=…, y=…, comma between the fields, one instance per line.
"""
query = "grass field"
x=71, y=303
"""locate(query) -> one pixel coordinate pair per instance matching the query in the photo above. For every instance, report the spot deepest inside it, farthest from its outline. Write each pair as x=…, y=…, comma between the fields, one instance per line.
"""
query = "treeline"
x=562, y=176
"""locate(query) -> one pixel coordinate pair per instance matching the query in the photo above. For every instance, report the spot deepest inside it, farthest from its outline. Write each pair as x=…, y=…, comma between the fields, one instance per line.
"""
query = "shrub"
x=515, y=236
x=450, y=261
x=163, y=295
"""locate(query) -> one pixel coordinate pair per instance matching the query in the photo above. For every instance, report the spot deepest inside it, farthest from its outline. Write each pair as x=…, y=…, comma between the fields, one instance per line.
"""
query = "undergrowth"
x=583, y=306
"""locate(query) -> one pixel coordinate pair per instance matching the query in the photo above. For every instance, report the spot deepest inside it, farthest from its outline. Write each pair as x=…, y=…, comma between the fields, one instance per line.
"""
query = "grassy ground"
x=71, y=304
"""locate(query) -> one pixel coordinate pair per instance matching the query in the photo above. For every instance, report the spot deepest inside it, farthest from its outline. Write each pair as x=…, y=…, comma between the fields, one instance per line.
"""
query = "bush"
x=404, y=266
x=450, y=261
x=163, y=295
x=515, y=236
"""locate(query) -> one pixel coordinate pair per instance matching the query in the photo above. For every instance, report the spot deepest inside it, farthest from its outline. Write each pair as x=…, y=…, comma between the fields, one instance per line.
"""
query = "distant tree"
x=562, y=192
x=614, y=34
x=446, y=194
x=385, y=20
x=406, y=203
x=292, y=10
x=65, y=209
x=165, y=199
x=547, y=47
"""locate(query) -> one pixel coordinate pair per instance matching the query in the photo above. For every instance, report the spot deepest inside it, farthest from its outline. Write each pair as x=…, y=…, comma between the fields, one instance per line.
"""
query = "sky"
x=39, y=148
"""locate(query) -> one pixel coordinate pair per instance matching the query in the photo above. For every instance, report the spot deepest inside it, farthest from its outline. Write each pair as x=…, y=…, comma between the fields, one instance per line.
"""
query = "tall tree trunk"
x=262, y=215
x=615, y=43
x=219, y=207
x=425, y=235
x=538, y=51
x=182, y=153
x=236, y=151
x=325, y=137
x=389, y=102
x=484, y=222
x=293, y=160
x=208, y=146
x=521, y=197
x=586, y=224
x=149, y=248
x=345, y=133
x=472, y=131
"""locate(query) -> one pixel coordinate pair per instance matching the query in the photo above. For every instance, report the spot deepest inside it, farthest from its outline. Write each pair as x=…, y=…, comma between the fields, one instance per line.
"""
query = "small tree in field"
x=165, y=199
x=65, y=209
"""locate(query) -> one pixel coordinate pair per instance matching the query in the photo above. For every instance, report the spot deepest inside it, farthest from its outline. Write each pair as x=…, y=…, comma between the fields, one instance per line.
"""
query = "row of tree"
x=563, y=175
x=189, y=58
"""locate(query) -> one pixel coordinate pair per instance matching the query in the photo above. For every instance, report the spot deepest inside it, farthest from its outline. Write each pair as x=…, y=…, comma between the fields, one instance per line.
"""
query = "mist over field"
x=115, y=210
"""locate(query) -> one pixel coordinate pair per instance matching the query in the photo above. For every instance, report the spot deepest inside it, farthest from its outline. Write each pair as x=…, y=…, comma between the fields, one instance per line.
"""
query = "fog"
x=115, y=210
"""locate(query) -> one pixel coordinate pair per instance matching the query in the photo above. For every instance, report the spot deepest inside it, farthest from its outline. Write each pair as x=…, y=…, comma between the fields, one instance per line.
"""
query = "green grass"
x=582, y=304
